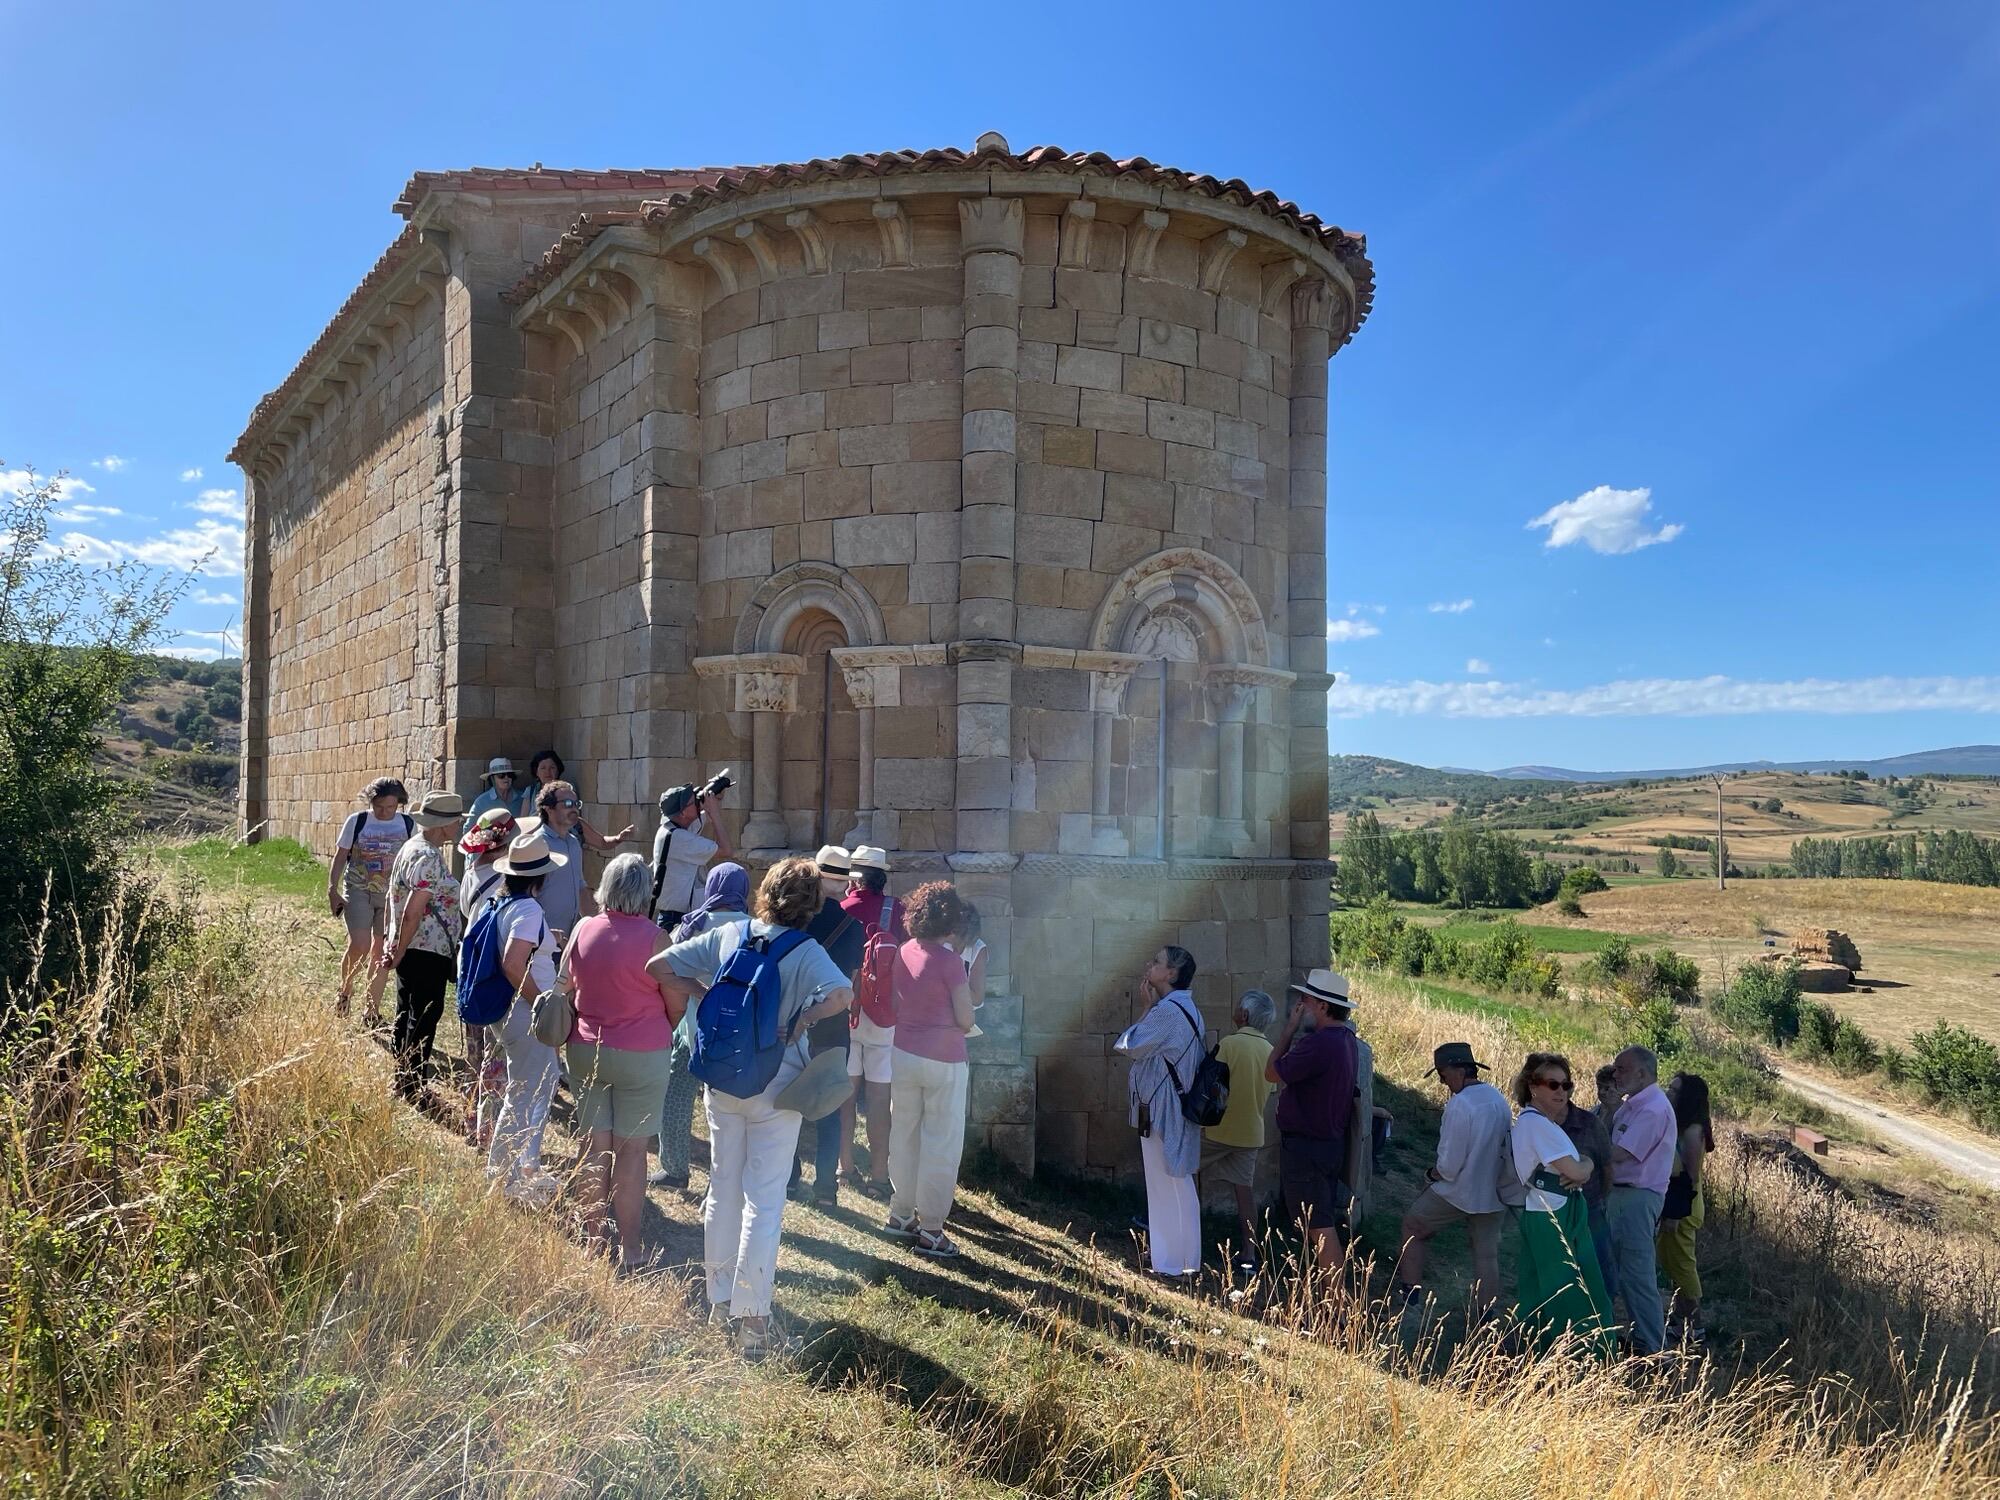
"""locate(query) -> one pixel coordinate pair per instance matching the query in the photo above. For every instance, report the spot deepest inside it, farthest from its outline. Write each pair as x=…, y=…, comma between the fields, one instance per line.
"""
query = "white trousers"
x=532, y=1071
x=926, y=1136
x=750, y=1147
x=1173, y=1213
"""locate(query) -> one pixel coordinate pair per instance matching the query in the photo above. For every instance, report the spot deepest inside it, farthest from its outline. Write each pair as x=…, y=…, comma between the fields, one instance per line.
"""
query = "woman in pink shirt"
x=927, y=1071
x=620, y=1050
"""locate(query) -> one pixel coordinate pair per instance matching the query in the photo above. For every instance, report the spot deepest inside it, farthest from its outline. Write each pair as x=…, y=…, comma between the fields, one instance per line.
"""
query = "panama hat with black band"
x=1327, y=987
x=439, y=810
x=530, y=855
x=833, y=860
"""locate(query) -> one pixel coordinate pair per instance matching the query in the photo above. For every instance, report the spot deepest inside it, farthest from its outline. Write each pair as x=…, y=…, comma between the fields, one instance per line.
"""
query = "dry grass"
x=1931, y=951
x=381, y=1328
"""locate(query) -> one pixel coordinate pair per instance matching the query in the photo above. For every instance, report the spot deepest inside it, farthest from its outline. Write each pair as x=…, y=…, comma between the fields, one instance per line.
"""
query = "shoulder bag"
x=555, y=1010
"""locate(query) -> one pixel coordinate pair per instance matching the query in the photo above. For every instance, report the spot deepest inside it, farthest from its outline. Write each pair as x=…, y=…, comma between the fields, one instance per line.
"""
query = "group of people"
x=1606, y=1198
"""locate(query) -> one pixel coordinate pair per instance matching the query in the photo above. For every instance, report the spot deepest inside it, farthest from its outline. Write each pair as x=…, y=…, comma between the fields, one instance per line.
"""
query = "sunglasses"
x=1561, y=1085
x=569, y=802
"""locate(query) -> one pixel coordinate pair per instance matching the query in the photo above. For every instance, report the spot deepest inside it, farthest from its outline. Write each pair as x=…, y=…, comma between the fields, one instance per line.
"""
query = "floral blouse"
x=420, y=866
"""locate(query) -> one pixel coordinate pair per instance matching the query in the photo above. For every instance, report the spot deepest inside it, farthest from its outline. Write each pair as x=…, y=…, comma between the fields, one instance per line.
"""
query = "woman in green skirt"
x=1561, y=1287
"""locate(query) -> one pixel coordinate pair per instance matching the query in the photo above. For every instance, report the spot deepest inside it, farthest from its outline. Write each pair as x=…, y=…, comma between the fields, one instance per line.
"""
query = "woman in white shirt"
x=514, y=1163
x=1561, y=1288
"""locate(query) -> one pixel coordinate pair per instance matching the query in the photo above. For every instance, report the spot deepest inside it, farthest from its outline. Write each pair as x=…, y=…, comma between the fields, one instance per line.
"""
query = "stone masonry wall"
x=351, y=638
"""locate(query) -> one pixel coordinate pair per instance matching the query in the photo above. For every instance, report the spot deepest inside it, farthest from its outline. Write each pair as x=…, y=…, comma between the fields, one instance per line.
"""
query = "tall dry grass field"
x=230, y=1265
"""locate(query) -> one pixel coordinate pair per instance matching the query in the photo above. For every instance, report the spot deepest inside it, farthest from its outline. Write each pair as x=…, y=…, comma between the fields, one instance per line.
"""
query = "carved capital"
x=1107, y=691
x=761, y=681
x=1315, y=304
x=991, y=225
x=1232, y=687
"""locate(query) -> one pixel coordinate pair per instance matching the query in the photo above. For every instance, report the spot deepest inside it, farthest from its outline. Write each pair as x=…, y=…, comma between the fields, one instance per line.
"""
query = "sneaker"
x=904, y=1228
x=936, y=1245
x=756, y=1344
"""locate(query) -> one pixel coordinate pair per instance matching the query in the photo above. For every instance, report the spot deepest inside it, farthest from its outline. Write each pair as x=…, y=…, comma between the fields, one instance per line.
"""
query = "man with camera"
x=691, y=834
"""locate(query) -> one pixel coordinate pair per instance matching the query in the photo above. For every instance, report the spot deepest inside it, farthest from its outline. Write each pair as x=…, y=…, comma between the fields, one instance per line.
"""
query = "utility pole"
x=1721, y=854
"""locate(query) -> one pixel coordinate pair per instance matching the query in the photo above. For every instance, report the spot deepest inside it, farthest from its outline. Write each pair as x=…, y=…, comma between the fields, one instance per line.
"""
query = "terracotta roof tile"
x=718, y=185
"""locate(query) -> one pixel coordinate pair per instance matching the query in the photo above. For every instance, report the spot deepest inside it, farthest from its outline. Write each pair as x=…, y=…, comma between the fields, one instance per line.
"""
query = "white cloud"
x=189, y=476
x=1455, y=607
x=209, y=547
x=83, y=515
x=1474, y=667
x=17, y=482
x=111, y=463
x=1351, y=630
x=1649, y=697
x=1604, y=520
x=1373, y=609
x=218, y=503
x=206, y=596
x=192, y=653
x=224, y=639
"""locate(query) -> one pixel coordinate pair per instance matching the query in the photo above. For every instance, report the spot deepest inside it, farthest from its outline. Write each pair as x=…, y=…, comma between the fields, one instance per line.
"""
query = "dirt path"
x=1981, y=1164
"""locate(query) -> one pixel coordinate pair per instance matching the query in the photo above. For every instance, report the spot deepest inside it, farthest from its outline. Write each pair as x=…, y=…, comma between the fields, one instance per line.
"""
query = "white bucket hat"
x=530, y=853
x=500, y=766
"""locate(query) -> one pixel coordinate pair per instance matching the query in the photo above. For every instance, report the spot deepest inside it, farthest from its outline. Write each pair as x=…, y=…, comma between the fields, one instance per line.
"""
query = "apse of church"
x=967, y=503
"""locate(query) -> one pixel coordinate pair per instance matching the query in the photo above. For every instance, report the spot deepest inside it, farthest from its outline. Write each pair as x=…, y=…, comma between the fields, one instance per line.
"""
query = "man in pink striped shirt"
x=1642, y=1159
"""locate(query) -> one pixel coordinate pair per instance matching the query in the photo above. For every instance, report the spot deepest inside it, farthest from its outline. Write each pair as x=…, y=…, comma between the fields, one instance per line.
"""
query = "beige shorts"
x=868, y=1061
x=1431, y=1211
x=1235, y=1165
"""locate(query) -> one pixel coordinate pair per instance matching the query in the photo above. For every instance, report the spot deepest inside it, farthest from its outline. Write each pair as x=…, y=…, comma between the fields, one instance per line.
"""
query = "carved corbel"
x=431, y=284
x=1145, y=232
x=895, y=227
x=716, y=256
x=811, y=235
x=1217, y=251
x=607, y=285
x=1279, y=278
x=750, y=235
x=558, y=321
x=580, y=306
x=1077, y=221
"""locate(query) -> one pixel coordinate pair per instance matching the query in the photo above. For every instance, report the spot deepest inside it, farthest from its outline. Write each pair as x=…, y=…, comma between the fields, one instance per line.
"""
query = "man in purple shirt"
x=1316, y=1071
x=1642, y=1159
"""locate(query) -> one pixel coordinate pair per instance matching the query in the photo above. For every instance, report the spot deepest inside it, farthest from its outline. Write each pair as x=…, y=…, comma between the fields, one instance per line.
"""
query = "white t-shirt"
x=1539, y=1142
x=478, y=888
x=372, y=843
x=525, y=919
x=686, y=855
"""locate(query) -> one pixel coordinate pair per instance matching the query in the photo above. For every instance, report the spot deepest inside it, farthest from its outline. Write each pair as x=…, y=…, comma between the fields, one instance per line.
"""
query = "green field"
x=1545, y=939
x=275, y=867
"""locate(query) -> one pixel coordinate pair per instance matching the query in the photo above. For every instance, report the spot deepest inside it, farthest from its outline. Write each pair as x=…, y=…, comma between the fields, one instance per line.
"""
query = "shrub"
x=1763, y=1002
x=1494, y=957
x=1413, y=950
x=1616, y=956
x=1853, y=1050
x=1895, y=1064
x=1584, y=880
x=1568, y=905
x=1950, y=1063
x=1675, y=975
x=1540, y=976
x=1817, y=1026
x=1657, y=1025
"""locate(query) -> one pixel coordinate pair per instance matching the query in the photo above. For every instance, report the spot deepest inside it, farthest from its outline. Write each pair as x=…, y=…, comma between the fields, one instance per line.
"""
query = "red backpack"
x=875, y=980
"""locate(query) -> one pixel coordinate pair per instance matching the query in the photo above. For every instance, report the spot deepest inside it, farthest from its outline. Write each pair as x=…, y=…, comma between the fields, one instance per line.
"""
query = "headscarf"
x=726, y=889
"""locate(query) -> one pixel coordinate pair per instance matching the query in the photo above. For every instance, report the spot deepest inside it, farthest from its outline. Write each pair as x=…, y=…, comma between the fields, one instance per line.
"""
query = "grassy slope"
x=415, y=1339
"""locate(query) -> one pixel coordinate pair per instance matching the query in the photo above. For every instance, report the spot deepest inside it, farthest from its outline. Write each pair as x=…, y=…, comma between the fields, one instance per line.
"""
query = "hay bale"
x=1826, y=945
x=1818, y=978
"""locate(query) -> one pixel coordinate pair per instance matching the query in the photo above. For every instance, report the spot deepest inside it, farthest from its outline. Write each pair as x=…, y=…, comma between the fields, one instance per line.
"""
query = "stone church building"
x=970, y=503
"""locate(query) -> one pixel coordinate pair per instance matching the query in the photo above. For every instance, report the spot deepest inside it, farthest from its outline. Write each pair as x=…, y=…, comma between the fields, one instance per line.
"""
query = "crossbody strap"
x=660, y=869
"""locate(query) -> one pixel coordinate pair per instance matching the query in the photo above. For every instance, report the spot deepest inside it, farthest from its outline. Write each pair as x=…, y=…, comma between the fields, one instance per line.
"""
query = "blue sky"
x=1712, y=292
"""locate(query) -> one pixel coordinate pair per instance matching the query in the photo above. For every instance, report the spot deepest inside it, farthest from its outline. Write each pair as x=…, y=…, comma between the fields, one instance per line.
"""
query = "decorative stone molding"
x=1145, y=241
x=1113, y=868
x=781, y=598
x=1217, y=251
x=807, y=227
x=991, y=226
x=1318, y=304
x=894, y=225
x=983, y=863
x=1077, y=220
x=1233, y=684
x=1196, y=580
x=1279, y=277
x=750, y=235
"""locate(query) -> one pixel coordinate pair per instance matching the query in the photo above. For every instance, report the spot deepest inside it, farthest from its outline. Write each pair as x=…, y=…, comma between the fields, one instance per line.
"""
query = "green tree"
x=70, y=635
x=1667, y=864
x=1364, y=860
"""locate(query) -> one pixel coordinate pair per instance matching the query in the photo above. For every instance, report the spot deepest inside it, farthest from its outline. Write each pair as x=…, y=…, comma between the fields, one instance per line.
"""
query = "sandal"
x=934, y=1244
x=902, y=1229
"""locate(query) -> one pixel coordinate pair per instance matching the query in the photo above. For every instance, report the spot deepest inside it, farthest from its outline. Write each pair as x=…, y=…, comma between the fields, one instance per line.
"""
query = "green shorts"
x=617, y=1089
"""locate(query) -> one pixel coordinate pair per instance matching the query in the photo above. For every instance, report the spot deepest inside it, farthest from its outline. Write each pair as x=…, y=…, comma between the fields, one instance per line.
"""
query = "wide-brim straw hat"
x=870, y=857
x=821, y=1087
x=530, y=853
x=833, y=860
x=1327, y=985
x=500, y=766
x=439, y=810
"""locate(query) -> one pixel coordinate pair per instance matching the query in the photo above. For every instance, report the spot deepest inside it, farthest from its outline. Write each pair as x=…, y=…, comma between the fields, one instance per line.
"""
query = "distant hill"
x=1350, y=776
x=1960, y=760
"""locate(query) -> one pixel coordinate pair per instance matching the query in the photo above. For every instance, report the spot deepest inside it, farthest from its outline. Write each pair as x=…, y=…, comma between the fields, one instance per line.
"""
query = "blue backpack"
x=484, y=990
x=738, y=1048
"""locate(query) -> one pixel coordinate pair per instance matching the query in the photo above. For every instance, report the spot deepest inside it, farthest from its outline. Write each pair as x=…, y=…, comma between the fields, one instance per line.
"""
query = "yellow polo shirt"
x=1246, y=1050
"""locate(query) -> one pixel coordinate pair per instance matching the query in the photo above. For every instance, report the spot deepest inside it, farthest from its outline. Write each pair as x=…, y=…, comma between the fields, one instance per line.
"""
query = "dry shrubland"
x=230, y=1263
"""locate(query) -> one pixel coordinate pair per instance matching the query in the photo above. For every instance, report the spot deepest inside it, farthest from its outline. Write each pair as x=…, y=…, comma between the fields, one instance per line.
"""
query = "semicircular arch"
x=1184, y=583
x=799, y=589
